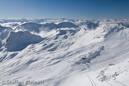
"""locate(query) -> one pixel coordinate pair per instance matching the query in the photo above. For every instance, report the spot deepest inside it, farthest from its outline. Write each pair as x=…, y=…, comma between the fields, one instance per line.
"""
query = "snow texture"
x=64, y=52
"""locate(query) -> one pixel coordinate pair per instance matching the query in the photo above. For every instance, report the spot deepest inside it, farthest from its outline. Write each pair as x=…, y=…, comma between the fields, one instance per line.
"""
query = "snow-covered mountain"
x=31, y=27
x=65, y=52
x=36, y=28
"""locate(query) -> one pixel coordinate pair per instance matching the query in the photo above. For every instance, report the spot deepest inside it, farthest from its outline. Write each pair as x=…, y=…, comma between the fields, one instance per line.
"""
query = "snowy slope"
x=87, y=53
x=4, y=32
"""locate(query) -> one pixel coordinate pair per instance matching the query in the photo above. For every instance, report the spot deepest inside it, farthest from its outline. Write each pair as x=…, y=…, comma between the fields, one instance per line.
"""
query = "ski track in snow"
x=92, y=82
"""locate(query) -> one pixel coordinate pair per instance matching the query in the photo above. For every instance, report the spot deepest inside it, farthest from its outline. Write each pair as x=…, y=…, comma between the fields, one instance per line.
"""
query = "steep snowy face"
x=19, y=40
x=4, y=28
x=85, y=53
x=4, y=32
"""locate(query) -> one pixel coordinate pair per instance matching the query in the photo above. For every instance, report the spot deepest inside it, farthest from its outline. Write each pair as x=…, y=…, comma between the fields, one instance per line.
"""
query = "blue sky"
x=89, y=9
